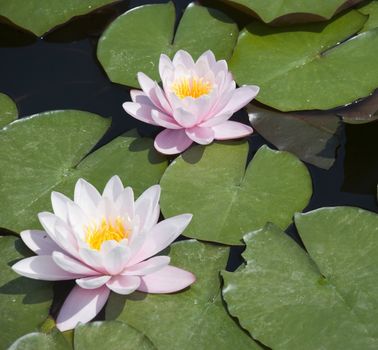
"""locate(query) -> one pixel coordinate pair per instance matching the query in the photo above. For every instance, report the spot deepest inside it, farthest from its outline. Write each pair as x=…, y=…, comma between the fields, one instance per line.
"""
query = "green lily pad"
x=41, y=16
x=45, y=152
x=226, y=199
x=305, y=67
x=191, y=319
x=41, y=341
x=113, y=335
x=134, y=42
x=370, y=9
x=284, y=11
x=24, y=303
x=8, y=110
x=326, y=299
x=313, y=137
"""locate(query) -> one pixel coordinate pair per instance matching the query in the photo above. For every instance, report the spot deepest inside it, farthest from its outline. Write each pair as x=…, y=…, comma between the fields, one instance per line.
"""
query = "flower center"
x=193, y=87
x=95, y=235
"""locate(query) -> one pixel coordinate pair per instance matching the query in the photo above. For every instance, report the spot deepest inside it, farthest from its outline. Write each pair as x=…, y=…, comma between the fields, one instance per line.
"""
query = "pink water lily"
x=106, y=243
x=195, y=103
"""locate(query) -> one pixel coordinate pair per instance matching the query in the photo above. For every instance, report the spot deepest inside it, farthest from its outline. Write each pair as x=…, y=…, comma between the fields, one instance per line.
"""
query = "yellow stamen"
x=95, y=235
x=193, y=87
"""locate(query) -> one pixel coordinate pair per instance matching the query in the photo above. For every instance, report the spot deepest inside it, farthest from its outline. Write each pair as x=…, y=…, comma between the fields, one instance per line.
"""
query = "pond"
x=62, y=72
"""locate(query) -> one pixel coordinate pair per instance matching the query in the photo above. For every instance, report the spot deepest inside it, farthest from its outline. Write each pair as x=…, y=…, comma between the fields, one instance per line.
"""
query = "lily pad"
x=371, y=10
x=226, y=199
x=284, y=11
x=362, y=112
x=192, y=319
x=41, y=341
x=134, y=42
x=24, y=303
x=305, y=67
x=45, y=152
x=8, y=110
x=313, y=137
x=40, y=16
x=326, y=299
x=113, y=335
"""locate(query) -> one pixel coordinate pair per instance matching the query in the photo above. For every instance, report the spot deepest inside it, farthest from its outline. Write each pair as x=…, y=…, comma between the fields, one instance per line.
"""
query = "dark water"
x=61, y=72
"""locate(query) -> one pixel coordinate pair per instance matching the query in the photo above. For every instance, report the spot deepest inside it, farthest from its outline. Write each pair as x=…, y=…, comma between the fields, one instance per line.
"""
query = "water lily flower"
x=195, y=103
x=106, y=243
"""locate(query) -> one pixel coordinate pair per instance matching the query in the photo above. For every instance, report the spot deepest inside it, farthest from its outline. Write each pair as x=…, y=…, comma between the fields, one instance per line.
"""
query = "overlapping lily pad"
x=327, y=299
x=362, y=112
x=284, y=11
x=228, y=200
x=306, y=67
x=189, y=320
x=24, y=303
x=313, y=137
x=134, y=41
x=41, y=341
x=45, y=153
x=41, y=16
x=371, y=10
x=95, y=335
x=8, y=110
x=110, y=335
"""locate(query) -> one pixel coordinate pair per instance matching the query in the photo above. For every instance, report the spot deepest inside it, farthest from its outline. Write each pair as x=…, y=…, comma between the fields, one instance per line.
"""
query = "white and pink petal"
x=59, y=232
x=124, y=204
x=147, y=208
x=140, y=111
x=184, y=118
x=231, y=130
x=183, y=58
x=124, y=284
x=81, y=306
x=42, y=267
x=201, y=135
x=172, y=141
x=148, y=266
x=115, y=258
x=169, y=279
x=72, y=265
x=60, y=204
x=113, y=188
x=165, y=64
x=240, y=98
x=160, y=237
x=92, y=282
x=39, y=242
x=164, y=120
x=154, y=92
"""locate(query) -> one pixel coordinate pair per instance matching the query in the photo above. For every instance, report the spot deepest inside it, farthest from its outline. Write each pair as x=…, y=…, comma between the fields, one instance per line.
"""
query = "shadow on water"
x=13, y=37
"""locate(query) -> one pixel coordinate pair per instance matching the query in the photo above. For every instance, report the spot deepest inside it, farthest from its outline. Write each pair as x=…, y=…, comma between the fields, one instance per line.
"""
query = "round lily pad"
x=24, y=303
x=47, y=152
x=191, y=319
x=8, y=110
x=326, y=299
x=134, y=42
x=283, y=11
x=40, y=16
x=226, y=199
x=313, y=66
